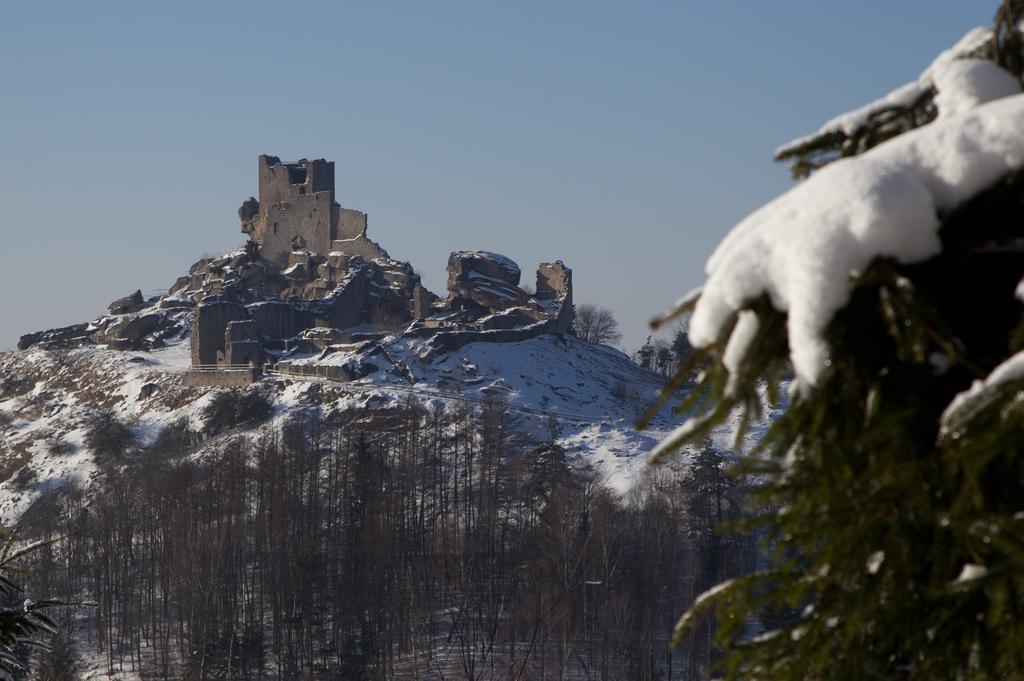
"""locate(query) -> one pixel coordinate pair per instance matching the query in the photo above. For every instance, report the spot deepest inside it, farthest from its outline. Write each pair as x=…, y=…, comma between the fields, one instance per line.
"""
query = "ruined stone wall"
x=297, y=200
x=422, y=300
x=365, y=248
x=274, y=182
x=209, y=323
x=243, y=353
x=220, y=379
x=449, y=341
x=554, y=287
x=554, y=280
x=278, y=319
x=350, y=223
x=308, y=216
x=330, y=371
x=277, y=180
x=242, y=344
x=320, y=177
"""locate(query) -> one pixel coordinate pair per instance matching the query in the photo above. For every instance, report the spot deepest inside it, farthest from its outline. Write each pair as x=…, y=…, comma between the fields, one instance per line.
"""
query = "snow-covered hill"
x=593, y=394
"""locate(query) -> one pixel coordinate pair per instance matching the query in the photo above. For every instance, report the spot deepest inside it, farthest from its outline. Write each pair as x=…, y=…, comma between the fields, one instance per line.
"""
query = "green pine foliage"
x=23, y=621
x=895, y=547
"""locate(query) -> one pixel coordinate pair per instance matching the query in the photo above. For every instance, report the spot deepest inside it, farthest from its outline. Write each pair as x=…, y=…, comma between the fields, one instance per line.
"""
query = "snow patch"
x=971, y=572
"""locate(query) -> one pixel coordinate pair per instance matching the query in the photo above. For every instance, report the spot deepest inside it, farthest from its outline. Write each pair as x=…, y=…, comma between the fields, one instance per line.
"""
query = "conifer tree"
x=897, y=537
x=22, y=620
x=645, y=355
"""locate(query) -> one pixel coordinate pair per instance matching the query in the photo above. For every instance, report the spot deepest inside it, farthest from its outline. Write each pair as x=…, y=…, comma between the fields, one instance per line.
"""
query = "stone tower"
x=296, y=209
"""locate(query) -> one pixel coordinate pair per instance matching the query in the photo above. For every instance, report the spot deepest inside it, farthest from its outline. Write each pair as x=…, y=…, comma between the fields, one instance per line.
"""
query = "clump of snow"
x=698, y=602
x=675, y=439
x=723, y=438
x=974, y=398
x=939, y=362
x=1019, y=291
x=738, y=346
x=849, y=123
x=971, y=572
x=801, y=248
x=965, y=84
x=679, y=307
x=765, y=636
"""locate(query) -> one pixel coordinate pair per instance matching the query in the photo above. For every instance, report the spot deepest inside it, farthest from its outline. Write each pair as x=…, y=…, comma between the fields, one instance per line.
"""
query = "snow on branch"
x=905, y=108
x=804, y=248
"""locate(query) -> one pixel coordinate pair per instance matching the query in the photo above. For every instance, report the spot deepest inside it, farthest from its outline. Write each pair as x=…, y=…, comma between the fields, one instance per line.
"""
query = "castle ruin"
x=311, y=280
x=296, y=210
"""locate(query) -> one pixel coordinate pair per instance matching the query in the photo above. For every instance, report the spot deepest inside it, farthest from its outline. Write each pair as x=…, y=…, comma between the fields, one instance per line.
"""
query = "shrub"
x=106, y=435
x=60, y=662
x=15, y=387
x=58, y=445
x=173, y=439
x=23, y=478
x=233, y=408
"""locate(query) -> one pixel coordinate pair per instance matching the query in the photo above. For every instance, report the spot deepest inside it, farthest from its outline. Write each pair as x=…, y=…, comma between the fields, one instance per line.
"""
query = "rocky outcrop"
x=128, y=304
x=248, y=212
x=345, y=306
x=462, y=263
x=60, y=338
x=301, y=267
x=143, y=330
x=128, y=331
x=486, y=279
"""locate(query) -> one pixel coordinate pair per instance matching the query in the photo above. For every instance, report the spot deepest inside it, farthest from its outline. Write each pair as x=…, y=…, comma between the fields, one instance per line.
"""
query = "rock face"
x=486, y=279
x=248, y=211
x=129, y=330
x=64, y=337
x=484, y=263
x=128, y=304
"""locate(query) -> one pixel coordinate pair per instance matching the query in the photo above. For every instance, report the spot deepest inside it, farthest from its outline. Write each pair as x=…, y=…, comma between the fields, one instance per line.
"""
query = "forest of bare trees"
x=400, y=544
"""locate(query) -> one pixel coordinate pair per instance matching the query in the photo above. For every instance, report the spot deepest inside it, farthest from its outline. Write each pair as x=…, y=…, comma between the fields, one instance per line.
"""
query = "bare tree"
x=595, y=324
x=399, y=544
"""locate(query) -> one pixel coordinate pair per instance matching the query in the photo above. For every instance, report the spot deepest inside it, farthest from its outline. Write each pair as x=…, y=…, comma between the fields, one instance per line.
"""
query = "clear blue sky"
x=623, y=138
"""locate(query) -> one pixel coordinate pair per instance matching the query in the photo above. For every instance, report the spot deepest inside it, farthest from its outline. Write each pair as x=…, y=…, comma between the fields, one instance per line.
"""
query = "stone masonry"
x=296, y=209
